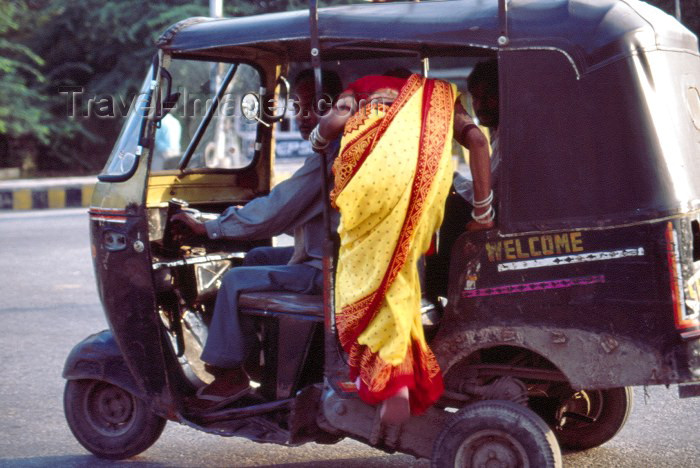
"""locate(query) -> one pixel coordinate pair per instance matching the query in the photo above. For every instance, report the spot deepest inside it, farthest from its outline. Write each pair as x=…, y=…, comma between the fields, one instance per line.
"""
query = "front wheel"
x=109, y=421
x=496, y=433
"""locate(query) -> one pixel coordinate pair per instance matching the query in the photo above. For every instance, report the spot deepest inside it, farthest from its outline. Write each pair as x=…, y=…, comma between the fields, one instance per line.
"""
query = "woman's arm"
x=471, y=137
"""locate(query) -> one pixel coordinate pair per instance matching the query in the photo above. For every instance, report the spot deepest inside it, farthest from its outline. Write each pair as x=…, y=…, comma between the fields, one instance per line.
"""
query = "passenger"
x=391, y=179
x=295, y=205
x=482, y=84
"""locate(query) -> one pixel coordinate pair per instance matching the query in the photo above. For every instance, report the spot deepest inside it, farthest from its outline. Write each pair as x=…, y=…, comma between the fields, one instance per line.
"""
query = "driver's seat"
x=292, y=339
x=266, y=304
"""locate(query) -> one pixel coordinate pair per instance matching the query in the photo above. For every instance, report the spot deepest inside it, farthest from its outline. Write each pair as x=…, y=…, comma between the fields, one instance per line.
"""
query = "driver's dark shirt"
x=293, y=203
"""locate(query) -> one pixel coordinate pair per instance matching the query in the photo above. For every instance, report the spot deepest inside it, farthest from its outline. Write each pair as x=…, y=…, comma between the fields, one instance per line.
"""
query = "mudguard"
x=98, y=357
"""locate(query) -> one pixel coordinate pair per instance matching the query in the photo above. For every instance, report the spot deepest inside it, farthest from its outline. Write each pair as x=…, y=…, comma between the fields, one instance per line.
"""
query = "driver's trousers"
x=264, y=269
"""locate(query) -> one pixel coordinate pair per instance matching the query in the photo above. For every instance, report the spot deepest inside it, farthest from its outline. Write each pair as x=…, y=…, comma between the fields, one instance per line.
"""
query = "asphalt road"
x=49, y=303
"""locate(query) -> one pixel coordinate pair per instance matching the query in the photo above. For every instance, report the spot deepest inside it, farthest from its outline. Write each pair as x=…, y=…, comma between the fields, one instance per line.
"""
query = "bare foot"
x=395, y=409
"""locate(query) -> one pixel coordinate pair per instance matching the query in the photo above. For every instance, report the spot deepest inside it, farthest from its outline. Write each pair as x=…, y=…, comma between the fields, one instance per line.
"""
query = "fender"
x=98, y=357
x=608, y=357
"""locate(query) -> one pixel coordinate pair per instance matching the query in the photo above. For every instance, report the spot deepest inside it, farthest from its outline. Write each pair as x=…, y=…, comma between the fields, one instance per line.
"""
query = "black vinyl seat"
x=291, y=329
x=301, y=306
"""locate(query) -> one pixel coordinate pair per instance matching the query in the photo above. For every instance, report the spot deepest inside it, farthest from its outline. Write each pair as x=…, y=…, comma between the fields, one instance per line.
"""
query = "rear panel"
x=600, y=147
x=604, y=306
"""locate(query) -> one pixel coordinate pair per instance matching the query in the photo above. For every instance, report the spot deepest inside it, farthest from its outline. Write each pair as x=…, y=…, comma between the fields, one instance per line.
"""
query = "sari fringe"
x=379, y=380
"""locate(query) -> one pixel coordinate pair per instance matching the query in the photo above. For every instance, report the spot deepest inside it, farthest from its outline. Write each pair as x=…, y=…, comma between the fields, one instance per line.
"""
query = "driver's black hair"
x=484, y=72
x=332, y=85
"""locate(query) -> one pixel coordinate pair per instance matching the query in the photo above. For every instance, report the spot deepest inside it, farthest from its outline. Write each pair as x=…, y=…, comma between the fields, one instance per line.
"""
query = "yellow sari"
x=392, y=176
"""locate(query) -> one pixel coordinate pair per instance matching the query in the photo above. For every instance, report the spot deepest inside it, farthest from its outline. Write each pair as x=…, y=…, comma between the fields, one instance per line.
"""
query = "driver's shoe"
x=228, y=386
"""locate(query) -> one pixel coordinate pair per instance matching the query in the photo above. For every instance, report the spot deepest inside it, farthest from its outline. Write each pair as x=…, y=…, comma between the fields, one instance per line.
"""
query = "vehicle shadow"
x=89, y=461
x=367, y=462
x=76, y=461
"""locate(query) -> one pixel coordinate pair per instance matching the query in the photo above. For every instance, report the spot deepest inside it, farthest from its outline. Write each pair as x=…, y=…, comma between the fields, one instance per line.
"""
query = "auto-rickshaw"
x=588, y=285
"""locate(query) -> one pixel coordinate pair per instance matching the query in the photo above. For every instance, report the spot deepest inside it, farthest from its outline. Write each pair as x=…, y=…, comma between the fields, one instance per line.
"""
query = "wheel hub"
x=114, y=407
x=579, y=409
x=491, y=449
x=109, y=409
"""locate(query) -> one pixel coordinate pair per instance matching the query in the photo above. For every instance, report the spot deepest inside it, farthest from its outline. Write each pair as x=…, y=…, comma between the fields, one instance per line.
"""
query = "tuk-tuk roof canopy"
x=589, y=31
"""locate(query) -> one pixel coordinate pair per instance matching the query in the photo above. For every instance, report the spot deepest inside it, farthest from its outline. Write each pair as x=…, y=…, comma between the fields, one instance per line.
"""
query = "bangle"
x=486, y=217
x=466, y=129
x=483, y=203
x=319, y=138
x=318, y=143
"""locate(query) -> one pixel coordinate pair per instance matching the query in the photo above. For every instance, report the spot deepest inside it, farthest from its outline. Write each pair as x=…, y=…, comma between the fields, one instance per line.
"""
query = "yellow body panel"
x=195, y=188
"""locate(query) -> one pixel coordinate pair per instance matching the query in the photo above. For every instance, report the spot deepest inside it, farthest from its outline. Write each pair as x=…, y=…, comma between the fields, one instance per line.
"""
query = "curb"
x=70, y=192
x=38, y=194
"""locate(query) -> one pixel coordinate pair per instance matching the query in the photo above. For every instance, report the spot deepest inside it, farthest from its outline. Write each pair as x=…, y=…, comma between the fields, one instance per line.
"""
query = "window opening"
x=214, y=131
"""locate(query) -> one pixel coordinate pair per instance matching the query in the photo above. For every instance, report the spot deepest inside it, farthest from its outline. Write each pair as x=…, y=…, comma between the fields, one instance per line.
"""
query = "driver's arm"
x=291, y=203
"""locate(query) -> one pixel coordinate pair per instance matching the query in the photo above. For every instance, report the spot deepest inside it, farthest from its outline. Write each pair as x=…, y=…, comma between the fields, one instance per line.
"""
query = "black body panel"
x=589, y=32
x=98, y=357
x=126, y=288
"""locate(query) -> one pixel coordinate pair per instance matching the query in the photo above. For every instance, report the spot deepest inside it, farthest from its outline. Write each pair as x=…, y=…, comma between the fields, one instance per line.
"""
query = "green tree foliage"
x=97, y=50
x=254, y=7
x=21, y=81
x=104, y=45
x=75, y=53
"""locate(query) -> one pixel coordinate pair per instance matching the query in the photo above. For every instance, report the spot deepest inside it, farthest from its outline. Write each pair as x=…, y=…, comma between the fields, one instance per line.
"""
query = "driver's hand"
x=186, y=227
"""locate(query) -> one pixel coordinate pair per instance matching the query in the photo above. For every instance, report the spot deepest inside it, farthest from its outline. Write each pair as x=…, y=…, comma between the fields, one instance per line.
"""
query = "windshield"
x=122, y=161
x=228, y=139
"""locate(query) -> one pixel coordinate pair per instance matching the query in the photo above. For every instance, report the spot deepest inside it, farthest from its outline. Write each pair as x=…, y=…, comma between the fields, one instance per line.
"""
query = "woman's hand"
x=476, y=226
x=332, y=124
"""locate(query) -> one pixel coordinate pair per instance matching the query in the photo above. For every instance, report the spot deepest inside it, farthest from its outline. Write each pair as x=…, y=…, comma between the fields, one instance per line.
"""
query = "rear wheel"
x=496, y=433
x=589, y=418
x=109, y=421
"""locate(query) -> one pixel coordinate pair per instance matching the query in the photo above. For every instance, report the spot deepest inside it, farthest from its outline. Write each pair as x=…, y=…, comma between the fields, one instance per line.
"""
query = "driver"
x=295, y=205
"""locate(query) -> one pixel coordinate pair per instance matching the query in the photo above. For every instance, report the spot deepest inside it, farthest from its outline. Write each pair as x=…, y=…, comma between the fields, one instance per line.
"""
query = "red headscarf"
x=371, y=83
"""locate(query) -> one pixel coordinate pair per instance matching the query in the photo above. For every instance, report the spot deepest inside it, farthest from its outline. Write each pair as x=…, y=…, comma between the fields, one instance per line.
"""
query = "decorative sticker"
x=110, y=215
x=472, y=275
x=536, y=286
x=535, y=246
x=571, y=259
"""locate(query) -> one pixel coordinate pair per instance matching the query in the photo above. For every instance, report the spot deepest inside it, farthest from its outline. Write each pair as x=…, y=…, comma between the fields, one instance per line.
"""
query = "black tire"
x=590, y=418
x=109, y=421
x=496, y=433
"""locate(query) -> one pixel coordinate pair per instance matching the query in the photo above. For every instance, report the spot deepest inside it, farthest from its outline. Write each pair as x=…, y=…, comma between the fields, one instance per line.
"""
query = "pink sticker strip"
x=530, y=287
